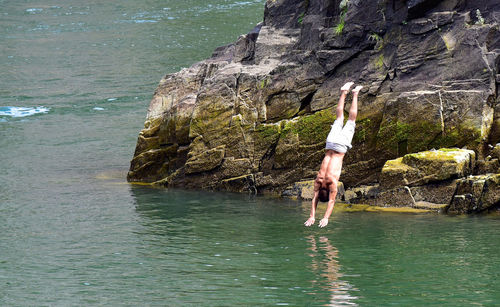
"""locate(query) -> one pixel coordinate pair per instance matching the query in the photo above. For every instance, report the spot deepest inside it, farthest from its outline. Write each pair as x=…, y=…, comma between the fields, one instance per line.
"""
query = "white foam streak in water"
x=34, y=10
x=22, y=111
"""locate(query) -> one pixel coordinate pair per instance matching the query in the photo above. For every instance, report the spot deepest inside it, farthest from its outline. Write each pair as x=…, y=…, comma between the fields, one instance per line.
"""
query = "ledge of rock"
x=429, y=166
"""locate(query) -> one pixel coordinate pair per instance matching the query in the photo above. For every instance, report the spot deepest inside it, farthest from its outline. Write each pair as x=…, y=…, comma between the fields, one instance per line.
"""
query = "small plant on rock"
x=339, y=27
x=301, y=18
x=343, y=11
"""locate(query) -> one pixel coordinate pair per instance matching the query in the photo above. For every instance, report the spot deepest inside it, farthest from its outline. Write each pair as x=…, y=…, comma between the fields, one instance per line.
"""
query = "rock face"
x=255, y=115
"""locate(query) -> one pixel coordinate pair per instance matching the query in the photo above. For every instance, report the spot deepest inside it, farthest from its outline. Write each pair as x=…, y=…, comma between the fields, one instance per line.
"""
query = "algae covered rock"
x=425, y=179
x=427, y=166
x=433, y=197
x=436, y=180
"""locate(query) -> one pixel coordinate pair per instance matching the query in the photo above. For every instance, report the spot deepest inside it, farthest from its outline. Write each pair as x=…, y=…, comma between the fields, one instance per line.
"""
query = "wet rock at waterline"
x=304, y=190
x=257, y=112
x=436, y=180
x=476, y=194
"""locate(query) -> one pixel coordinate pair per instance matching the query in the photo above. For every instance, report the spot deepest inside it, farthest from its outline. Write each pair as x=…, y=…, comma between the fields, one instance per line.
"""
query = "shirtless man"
x=337, y=143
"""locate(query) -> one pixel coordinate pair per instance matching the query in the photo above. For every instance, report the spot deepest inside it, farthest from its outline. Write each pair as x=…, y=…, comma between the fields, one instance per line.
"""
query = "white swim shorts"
x=340, y=136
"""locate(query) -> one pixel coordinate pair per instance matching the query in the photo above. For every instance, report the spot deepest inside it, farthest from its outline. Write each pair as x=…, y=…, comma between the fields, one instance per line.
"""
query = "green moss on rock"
x=423, y=135
x=310, y=129
x=415, y=136
x=268, y=131
x=464, y=134
x=210, y=118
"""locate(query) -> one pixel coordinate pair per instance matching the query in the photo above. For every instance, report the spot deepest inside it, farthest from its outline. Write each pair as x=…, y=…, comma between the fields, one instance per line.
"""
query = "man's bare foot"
x=357, y=89
x=345, y=88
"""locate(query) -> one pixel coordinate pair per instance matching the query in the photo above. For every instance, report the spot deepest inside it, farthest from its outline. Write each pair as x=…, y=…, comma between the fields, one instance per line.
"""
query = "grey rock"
x=361, y=194
x=437, y=193
x=475, y=194
x=398, y=197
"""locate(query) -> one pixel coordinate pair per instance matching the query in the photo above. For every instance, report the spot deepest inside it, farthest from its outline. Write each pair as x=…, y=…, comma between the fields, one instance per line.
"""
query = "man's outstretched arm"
x=331, y=204
x=314, y=204
x=353, y=111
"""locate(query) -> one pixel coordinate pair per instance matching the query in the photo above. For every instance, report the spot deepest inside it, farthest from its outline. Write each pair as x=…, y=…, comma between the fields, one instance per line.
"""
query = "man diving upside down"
x=337, y=143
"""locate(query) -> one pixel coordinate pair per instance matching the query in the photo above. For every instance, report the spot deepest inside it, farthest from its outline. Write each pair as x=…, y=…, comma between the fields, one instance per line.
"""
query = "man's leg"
x=353, y=111
x=350, y=125
x=344, y=90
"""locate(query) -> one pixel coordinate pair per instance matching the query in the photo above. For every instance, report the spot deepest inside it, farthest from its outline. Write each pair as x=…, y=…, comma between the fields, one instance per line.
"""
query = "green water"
x=75, y=82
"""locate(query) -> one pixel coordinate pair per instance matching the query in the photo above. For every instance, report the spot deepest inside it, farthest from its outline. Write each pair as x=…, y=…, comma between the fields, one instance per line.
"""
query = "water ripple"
x=22, y=111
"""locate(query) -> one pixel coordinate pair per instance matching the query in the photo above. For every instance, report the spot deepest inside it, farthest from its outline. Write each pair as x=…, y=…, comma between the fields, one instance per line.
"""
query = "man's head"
x=324, y=194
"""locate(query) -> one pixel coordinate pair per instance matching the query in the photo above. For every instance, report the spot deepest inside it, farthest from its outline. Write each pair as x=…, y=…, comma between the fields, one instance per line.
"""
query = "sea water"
x=75, y=84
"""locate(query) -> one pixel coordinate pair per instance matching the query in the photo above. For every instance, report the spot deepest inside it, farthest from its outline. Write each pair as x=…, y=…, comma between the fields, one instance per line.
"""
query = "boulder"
x=361, y=194
x=436, y=193
x=427, y=166
x=433, y=197
x=205, y=161
x=425, y=180
x=476, y=194
x=397, y=197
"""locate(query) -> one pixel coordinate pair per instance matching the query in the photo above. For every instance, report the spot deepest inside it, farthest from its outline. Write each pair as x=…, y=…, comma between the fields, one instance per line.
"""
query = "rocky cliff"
x=256, y=114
